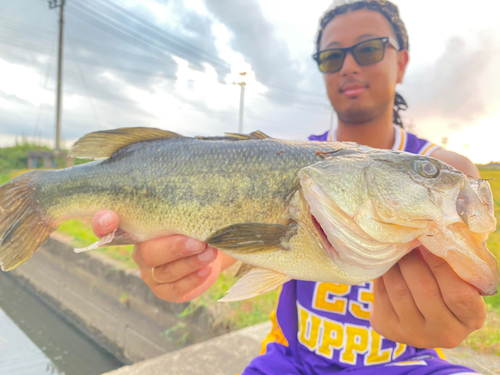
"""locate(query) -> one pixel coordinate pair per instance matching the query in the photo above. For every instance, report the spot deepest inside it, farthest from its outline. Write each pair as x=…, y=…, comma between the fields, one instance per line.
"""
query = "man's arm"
x=421, y=301
x=457, y=161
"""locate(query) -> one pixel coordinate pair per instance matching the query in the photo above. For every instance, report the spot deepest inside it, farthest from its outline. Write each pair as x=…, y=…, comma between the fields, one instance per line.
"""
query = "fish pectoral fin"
x=104, y=143
x=244, y=269
x=118, y=237
x=256, y=282
x=253, y=237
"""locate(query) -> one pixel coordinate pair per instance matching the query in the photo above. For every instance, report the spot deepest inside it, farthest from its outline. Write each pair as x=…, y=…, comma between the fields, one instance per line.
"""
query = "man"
x=322, y=327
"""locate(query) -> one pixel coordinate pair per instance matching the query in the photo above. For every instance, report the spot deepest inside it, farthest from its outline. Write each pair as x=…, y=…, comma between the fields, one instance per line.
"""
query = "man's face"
x=362, y=93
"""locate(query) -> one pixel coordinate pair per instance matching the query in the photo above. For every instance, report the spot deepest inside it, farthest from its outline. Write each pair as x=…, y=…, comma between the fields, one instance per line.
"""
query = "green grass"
x=487, y=339
x=4, y=177
x=493, y=177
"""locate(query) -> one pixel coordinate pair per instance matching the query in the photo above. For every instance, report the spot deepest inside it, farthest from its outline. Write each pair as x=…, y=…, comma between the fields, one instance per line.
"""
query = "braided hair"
x=391, y=12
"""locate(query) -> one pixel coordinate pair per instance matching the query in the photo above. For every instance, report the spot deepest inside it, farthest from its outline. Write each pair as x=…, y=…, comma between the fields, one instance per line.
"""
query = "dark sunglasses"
x=365, y=53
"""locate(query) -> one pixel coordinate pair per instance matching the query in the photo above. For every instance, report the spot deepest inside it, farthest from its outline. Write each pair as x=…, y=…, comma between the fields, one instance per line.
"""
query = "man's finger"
x=164, y=250
x=176, y=270
x=401, y=298
x=105, y=222
x=462, y=298
x=383, y=312
x=190, y=286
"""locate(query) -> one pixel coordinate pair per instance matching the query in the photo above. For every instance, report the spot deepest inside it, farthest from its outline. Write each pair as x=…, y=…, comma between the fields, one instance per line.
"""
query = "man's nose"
x=350, y=65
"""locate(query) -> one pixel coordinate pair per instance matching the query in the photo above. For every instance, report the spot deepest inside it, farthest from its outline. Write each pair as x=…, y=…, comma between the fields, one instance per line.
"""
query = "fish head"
x=372, y=207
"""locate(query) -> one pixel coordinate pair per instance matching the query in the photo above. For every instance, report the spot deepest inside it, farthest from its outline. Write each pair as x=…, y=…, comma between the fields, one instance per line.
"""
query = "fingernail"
x=105, y=220
x=206, y=255
x=193, y=245
x=204, y=271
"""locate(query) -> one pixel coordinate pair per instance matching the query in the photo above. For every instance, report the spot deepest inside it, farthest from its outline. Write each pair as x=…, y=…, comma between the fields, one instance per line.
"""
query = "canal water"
x=34, y=340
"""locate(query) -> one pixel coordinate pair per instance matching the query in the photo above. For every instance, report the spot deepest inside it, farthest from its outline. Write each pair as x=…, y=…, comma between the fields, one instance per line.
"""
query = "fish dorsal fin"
x=104, y=143
x=256, y=282
x=254, y=135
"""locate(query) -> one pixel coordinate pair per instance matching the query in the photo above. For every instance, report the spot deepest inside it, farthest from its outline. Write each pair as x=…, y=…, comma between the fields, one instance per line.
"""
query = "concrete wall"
x=112, y=305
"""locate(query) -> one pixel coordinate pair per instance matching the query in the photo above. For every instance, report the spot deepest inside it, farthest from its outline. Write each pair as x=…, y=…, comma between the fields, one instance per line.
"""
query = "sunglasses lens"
x=369, y=52
x=330, y=61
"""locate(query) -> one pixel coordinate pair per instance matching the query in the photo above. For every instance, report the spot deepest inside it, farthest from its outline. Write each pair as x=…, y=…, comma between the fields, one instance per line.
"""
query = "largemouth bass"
x=332, y=212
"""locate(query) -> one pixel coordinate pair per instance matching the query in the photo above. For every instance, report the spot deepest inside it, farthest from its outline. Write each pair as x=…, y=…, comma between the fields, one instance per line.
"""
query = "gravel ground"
x=482, y=363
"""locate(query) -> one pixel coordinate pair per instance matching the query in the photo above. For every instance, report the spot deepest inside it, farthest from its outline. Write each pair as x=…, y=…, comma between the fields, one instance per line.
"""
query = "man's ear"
x=403, y=58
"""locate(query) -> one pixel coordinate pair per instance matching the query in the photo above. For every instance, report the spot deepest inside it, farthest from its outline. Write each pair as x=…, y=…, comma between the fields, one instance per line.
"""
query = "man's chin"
x=356, y=116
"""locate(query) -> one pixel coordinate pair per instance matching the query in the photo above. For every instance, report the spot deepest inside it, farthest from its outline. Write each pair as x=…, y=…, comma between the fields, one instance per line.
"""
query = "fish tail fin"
x=23, y=224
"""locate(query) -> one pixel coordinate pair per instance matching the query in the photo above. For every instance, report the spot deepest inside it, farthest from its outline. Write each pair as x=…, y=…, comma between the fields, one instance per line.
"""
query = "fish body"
x=333, y=212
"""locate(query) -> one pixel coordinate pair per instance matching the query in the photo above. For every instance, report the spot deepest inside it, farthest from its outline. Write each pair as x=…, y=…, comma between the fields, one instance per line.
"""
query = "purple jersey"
x=323, y=328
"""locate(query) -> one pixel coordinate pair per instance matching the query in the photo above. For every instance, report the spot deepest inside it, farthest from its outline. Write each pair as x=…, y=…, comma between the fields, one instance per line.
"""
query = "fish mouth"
x=327, y=246
x=475, y=206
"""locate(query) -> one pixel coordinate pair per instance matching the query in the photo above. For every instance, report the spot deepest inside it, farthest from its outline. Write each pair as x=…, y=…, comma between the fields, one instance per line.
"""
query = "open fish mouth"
x=327, y=246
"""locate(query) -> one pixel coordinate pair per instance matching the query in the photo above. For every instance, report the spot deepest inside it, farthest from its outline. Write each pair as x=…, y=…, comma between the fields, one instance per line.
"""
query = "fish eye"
x=425, y=168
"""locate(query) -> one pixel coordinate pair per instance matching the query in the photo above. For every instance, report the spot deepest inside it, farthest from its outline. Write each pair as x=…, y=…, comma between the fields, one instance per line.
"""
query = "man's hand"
x=422, y=302
x=183, y=267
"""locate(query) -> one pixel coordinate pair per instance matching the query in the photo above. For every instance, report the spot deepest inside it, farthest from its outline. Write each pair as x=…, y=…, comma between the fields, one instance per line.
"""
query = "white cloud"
x=22, y=82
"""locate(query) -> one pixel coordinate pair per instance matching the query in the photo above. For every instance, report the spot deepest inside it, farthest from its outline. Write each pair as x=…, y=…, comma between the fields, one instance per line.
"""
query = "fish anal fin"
x=256, y=282
x=252, y=237
x=104, y=143
x=116, y=238
x=244, y=269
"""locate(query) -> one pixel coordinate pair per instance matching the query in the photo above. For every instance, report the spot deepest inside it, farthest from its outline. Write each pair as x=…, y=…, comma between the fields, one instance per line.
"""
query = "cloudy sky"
x=173, y=63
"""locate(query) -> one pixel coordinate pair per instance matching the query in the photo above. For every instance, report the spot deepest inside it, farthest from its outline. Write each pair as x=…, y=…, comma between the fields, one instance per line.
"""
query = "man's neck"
x=377, y=134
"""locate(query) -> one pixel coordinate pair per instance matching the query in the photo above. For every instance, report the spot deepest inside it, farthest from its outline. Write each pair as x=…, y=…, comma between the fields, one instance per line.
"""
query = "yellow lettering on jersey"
x=364, y=295
x=308, y=328
x=377, y=355
x=333, y=338
x=399, y=350
x=356, y=343
x=323, y=293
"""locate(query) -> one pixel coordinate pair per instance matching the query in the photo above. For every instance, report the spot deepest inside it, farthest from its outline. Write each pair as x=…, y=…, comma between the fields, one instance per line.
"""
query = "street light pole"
x=59, y=4
x=242, y=105
x=242, y=101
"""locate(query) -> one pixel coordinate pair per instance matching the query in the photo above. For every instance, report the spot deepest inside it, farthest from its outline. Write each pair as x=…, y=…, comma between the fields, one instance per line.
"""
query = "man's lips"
x=352, y=91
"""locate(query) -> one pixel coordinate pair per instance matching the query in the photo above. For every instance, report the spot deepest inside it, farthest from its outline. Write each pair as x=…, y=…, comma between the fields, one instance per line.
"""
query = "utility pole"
x=59, y=4
x=242, y=100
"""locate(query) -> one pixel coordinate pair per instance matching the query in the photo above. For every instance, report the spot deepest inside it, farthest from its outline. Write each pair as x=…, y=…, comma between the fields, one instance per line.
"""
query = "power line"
x=118, y=31
x=173, y=42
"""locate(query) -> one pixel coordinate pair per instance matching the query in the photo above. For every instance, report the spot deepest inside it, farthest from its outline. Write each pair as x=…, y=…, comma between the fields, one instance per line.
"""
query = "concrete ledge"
x=224, y=355
x=111, y=305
